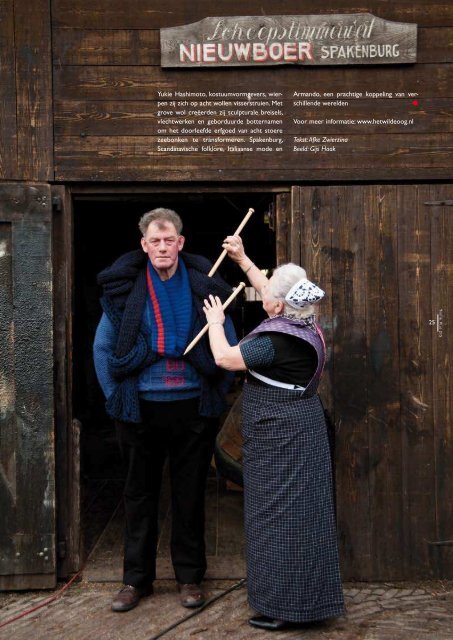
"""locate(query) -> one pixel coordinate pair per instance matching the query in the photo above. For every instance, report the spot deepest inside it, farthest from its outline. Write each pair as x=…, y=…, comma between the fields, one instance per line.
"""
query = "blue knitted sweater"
x=122, y=347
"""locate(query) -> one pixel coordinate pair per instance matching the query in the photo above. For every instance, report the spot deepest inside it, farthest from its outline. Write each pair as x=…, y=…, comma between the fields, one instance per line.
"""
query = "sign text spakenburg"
x=270, y=40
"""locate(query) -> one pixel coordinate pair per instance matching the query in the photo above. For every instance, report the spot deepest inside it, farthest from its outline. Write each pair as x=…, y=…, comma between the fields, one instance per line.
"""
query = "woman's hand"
x=213, y=310
x=225, y=356
x=234, y=248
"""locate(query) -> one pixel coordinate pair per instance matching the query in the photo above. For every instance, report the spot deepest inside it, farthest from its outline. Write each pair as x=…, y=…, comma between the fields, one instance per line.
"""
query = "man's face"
x=162, y=244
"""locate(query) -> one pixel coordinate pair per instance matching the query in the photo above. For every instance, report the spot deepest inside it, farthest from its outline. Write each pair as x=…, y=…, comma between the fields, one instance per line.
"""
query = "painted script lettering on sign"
x=270, y=40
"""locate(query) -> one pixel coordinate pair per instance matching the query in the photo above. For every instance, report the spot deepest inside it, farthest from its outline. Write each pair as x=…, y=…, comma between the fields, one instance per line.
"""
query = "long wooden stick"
x=201, y=333
x=236, y=233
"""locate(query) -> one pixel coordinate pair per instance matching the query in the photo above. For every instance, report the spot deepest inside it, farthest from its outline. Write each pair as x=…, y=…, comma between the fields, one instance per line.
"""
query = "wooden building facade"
x=81, y=156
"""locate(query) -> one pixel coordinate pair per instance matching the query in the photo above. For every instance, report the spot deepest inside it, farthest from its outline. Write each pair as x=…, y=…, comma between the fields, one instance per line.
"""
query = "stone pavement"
x=422, y=611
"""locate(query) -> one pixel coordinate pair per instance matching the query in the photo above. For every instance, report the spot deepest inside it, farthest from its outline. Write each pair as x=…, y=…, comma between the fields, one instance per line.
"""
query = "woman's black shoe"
x=263, y=622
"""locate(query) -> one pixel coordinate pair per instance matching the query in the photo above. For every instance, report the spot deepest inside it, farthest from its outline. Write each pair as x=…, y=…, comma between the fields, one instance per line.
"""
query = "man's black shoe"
x=271, y=624
x=128, y=597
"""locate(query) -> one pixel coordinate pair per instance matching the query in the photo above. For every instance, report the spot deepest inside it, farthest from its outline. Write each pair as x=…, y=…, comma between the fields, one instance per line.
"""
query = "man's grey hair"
x=283, y=278
x=160, y=216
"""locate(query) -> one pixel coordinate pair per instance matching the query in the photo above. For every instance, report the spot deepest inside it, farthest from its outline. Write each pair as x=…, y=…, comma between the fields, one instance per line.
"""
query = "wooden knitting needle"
x=201, y=333
x=236, y=233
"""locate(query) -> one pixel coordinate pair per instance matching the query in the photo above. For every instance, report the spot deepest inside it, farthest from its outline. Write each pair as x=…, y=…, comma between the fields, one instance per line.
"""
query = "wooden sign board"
x=314, y=40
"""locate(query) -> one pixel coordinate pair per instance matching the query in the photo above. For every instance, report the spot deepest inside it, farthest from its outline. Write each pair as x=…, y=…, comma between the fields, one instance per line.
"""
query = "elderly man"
x=164, y=404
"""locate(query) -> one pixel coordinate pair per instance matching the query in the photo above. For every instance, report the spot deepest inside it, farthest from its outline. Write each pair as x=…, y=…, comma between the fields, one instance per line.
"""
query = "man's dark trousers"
x=172, y=429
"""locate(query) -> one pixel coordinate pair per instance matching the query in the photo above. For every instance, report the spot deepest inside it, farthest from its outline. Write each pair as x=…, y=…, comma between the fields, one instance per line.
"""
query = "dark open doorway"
x=104, y=228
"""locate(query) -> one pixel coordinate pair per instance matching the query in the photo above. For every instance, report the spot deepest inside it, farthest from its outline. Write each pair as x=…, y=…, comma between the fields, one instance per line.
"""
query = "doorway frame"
x=67, y=427
x=291, y=244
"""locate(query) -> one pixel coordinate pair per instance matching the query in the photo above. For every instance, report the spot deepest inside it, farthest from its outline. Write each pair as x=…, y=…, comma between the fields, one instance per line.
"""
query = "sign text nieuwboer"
x=270, y=40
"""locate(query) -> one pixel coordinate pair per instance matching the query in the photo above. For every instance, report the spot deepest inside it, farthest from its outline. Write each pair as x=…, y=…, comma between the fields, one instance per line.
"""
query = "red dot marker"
x=415, y=103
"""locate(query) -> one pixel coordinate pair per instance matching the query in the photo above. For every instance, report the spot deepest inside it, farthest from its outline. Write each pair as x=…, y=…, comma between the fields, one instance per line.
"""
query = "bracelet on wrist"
x=248, y=268
x=215, y=322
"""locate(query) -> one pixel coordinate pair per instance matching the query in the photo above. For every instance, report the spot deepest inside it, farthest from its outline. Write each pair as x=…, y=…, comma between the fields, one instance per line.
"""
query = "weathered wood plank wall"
x=8, y=127
x=27, y=459
x=385, y=254
x=115, y=14
x=107, y=73
x=26, y=123
x=442, y=312
x=34, y=90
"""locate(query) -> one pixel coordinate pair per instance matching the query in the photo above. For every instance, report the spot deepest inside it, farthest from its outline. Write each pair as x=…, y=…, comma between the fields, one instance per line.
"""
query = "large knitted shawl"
x=125, y=292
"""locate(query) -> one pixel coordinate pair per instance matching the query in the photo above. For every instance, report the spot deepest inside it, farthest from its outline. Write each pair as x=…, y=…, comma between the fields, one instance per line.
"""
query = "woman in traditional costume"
x=292, y=556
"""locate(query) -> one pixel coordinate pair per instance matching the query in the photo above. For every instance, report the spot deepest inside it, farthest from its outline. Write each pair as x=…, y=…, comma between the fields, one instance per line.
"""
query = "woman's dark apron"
x=292, y=556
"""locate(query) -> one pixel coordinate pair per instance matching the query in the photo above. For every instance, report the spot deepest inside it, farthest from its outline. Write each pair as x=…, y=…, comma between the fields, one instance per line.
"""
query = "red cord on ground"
x=43, y=604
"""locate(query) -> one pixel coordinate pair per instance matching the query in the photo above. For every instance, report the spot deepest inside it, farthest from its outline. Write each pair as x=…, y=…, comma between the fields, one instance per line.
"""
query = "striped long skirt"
x=292, y=555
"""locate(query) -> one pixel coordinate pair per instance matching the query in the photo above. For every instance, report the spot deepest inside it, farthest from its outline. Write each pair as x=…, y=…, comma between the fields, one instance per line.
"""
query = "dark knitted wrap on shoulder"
x=123, y=301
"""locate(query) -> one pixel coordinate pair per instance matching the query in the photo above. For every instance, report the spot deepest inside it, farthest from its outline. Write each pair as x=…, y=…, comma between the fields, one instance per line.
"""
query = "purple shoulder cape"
x=310, y=333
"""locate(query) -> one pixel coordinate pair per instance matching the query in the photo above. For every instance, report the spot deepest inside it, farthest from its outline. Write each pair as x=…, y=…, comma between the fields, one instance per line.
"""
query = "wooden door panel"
x=67, y=428
x=439, y=203
x=385, y=262
x=349, y=380
x=414, y=311
x=383, y=382
x=282, y=226
x=27, y=525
